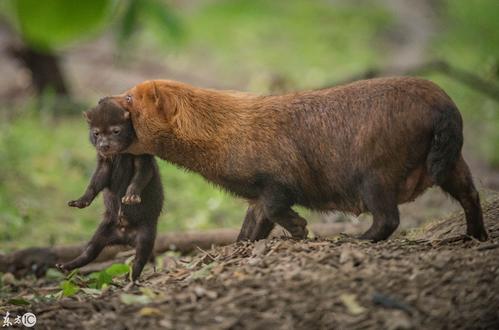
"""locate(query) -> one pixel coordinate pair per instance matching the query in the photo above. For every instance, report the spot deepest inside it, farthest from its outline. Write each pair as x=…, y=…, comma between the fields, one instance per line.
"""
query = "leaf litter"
x=436, y=279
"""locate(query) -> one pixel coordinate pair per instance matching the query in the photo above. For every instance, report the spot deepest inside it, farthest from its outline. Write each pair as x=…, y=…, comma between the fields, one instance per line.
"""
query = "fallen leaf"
x=259, y=248
x=149, y=312
x=398, y=320
x=92, y=292
x=350, y=302
x=69, y=288
x=8, y=278
x=203, y=272
x=132, y=299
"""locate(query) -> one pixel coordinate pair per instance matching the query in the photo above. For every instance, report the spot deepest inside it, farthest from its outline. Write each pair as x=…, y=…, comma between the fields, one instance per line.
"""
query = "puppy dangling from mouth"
x=131, y=186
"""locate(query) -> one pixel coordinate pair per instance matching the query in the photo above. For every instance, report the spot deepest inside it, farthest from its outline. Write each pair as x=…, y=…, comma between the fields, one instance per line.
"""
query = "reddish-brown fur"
x=365, y=146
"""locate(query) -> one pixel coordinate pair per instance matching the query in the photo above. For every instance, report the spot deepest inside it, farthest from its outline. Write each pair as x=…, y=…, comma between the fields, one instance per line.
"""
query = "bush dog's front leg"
x=100, y=180
x=144, y=168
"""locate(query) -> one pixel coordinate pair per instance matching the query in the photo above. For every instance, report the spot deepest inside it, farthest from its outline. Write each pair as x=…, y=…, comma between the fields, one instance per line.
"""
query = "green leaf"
x=69, y=288
x=100, y=279
x=117, y=270
x=51, y=23
x=19, y=302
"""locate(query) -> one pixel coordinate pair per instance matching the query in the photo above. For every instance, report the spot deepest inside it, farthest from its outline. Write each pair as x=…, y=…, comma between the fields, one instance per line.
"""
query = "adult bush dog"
x=366, y=146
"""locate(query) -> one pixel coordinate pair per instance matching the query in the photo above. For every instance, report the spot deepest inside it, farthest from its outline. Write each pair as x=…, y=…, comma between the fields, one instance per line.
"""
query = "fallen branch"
x=467, y=78
x=37, y=260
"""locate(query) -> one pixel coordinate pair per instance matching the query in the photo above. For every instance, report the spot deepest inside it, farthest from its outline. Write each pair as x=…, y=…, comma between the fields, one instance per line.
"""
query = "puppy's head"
x=111, y=129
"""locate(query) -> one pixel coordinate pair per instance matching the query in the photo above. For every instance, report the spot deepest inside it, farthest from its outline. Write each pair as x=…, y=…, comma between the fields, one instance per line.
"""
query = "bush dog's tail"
x=446, y=144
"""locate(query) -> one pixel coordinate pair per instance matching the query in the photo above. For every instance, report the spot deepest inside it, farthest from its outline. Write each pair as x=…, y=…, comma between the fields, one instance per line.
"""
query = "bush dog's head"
x=153, y=107
x=111, y=130
x=154, y=100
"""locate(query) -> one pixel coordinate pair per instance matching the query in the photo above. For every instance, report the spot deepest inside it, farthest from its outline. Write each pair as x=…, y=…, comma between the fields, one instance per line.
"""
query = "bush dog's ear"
x=156, y=95
x=162, y=102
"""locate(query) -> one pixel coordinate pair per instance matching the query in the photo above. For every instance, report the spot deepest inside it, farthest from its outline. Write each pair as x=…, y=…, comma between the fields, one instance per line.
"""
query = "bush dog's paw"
x=131, y=199
x=79, y=203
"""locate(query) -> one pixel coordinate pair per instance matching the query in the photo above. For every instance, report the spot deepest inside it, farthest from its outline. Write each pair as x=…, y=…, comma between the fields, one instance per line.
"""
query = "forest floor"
x=431, y=278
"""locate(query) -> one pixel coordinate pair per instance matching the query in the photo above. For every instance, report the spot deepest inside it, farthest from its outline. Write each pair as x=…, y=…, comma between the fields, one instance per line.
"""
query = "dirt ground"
x=431, y=278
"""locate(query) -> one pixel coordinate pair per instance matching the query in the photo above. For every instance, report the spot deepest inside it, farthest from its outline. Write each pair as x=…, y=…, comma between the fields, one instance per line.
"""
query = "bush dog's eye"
x=95, y=133
x=116, y=131
x=128, y=98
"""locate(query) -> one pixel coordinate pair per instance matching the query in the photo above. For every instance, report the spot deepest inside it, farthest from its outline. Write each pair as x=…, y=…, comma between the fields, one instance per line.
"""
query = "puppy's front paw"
x=62, y=268
x=79, y=203
x=131, y=199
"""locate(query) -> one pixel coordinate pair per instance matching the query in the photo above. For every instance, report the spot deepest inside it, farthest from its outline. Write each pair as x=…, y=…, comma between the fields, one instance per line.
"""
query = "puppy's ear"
x=86, y=116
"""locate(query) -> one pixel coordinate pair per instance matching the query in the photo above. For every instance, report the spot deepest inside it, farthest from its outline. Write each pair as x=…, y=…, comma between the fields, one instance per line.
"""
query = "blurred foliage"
x=46, y=160
x=308, y=43
x=155, y=14
x=470, y=39
x=51, y=24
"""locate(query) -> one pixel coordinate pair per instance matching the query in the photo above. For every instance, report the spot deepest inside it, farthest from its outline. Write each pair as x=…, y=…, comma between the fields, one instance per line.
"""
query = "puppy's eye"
x=128, y=99
x=95, y=133
x=116, y=131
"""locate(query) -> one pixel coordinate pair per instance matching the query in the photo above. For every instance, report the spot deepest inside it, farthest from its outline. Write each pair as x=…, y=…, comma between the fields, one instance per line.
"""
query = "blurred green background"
x=59, y=57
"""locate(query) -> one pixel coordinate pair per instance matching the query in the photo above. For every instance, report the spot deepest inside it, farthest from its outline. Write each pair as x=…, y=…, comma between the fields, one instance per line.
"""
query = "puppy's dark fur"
x=366, y=146
x=132, y=190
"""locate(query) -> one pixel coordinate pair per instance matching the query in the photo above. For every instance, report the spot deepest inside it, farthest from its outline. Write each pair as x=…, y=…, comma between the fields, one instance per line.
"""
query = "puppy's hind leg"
x=104, y=235
x=144, y=245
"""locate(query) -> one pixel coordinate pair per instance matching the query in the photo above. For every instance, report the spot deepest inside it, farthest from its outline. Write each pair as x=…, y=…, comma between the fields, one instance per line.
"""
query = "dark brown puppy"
x=365, y=146
x=133, y=194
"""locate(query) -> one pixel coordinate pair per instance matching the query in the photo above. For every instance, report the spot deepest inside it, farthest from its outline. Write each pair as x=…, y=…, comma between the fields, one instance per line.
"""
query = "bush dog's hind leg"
x=382, y=203
x=459, y=184
x=255, y=226
x=277, y=208
x=263, y=227
x=144, y=244
x=248, y=226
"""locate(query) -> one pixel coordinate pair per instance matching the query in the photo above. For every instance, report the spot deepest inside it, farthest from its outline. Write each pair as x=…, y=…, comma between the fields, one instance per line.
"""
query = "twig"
x=471, y=80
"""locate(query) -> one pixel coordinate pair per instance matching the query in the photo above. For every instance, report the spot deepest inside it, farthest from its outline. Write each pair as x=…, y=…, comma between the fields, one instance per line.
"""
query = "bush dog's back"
x=366, y=146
